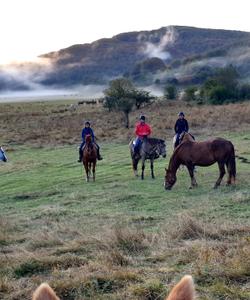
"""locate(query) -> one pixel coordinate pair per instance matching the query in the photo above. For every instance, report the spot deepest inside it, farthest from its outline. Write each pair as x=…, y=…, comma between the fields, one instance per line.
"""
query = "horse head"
x=3, y=157
x=161, y=147
x=88, y=139
x=170, y=179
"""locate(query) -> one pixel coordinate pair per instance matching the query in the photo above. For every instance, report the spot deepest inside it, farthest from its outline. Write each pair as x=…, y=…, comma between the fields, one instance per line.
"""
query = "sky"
x=29, y=28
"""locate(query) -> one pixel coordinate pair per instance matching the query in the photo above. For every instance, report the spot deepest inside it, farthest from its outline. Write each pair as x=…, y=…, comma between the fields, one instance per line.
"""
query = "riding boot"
x=98, y=154
x=80, y=155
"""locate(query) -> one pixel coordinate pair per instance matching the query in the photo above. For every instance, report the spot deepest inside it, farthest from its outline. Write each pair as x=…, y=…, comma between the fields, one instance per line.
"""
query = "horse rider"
x=87, y=130
x=181, y=125
x=142, y=130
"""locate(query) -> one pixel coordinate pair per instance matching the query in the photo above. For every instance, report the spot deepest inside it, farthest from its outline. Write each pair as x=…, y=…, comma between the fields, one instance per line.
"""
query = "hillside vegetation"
x=120, y=237
x=186, y=55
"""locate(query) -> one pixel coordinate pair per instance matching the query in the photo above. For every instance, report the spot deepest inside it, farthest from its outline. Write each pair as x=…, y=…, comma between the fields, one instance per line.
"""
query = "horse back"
x=205, y=153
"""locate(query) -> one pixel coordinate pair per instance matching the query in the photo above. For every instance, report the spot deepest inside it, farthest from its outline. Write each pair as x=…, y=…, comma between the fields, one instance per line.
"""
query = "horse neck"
x=89, y=145
x=174, y=163
x=187, y=137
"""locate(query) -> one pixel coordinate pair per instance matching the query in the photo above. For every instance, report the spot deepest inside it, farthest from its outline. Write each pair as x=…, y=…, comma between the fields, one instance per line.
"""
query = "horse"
x=191, y=154
x=151, y=149
x=89, y=157
x=183, y=290
x=3, y=156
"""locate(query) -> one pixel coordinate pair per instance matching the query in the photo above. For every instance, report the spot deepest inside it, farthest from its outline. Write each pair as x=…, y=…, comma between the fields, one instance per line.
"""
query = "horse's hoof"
x=190, y=187
x=215, y=187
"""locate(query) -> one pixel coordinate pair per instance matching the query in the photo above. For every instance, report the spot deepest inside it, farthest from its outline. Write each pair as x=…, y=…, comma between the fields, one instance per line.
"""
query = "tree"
x=141, y=97
x=221, y=87
x=123, y=96
x=244, y=91
x=189, y=93
x=170, y=92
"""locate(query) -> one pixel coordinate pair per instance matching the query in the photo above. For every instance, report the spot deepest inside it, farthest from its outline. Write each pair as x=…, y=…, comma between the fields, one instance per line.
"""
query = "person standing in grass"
x=87, y=130
x=181, y=125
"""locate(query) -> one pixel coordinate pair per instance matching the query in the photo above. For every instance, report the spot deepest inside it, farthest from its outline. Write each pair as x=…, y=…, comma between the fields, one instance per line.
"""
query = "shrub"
x=170, y=92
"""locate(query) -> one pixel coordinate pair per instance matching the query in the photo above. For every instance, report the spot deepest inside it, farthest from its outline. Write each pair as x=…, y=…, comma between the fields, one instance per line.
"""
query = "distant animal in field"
x=3, y=156
x=89, y=158
x=191, y=154
x=184, y=290
x=151, y=148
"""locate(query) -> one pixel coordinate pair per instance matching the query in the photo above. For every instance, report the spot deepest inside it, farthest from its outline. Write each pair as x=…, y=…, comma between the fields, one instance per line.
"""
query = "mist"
x=159, y=49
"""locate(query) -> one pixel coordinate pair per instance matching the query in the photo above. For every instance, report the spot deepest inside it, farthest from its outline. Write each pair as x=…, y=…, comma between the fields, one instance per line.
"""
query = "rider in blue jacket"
x=87, y=130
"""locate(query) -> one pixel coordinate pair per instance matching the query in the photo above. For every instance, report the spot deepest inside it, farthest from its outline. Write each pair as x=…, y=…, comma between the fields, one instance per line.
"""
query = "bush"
x=170, y=92
x=189, y=93
x=218, y=95
x=244, y=91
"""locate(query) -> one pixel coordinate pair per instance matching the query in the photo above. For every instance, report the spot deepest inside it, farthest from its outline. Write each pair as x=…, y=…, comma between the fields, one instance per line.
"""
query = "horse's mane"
x=155, y=140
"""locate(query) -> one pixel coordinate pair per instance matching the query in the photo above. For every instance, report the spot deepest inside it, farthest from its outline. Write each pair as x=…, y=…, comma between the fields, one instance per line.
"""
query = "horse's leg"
x=135, y=164
x=93, y=170
x=231, y=170
x=86, y=169
x=152, y=168
x=222, y=173
x=142, y=168
x=229, y=179
x=190, y=168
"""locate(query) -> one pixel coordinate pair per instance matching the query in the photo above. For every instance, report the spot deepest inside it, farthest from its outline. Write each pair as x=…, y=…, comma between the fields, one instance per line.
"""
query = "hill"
x=179, y=54
x=165, y=52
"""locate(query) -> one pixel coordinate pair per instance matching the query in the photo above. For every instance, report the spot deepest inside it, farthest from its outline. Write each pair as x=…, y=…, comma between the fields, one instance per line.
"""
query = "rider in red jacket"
x=142, y=130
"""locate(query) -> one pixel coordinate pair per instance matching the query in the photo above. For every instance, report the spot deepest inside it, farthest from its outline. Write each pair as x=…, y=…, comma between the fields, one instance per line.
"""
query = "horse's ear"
x=184, y=290
x=44, y=292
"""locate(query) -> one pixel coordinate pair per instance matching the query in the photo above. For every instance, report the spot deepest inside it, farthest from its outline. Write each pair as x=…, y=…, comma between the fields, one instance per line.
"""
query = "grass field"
x=120, y=237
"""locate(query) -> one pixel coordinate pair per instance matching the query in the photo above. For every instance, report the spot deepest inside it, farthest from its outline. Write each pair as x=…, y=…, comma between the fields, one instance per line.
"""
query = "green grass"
x=47, y=209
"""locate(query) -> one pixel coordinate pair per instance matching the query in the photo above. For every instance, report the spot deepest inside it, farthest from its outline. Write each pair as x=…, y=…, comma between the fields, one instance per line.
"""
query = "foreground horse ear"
x=184, y=290
x=44, y=292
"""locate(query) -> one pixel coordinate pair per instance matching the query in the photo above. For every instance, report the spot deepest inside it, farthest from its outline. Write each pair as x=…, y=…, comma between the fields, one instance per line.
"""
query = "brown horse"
x=191, y=154
x=89, y=157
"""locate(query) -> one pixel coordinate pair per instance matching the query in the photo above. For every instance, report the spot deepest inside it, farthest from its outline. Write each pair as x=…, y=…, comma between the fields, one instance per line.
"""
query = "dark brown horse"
x=89, y=157
x=191, y=154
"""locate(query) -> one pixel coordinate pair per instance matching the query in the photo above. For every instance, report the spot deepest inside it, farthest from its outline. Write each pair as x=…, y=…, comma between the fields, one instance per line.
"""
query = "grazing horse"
x=183, y=290
x=191, y=154
x=3, y=156
x=89, y=157
x=151, y=148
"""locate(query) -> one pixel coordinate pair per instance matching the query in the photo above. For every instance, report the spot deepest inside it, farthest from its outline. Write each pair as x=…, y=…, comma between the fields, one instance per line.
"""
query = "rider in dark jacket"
x=181, y=125
x=87, y=130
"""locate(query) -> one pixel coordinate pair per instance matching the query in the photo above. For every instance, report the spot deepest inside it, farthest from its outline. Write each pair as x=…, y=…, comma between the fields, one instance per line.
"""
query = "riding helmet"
x=181, y=114
x=142, y=117
x=87, y=123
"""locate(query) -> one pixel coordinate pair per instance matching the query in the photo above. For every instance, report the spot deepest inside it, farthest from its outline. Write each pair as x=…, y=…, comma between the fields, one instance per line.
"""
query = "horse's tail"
x=231, y=164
